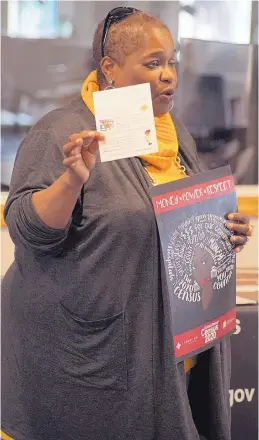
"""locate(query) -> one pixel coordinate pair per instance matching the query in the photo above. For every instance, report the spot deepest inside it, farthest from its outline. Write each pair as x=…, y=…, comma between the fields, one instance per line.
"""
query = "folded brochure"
x=199, y=259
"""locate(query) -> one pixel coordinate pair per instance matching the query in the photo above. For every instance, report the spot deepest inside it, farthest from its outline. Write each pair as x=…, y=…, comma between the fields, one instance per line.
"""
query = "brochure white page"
x=126, y=119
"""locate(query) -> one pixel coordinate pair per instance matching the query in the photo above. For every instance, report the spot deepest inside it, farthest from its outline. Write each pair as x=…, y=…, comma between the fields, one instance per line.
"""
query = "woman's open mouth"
x=167, y=95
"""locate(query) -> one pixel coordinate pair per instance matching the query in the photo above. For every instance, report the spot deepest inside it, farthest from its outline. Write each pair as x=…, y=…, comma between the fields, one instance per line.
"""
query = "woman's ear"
x=108, y=67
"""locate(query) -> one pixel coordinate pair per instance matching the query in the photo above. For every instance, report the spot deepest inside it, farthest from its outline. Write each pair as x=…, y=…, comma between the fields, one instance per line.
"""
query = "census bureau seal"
x=200, y=259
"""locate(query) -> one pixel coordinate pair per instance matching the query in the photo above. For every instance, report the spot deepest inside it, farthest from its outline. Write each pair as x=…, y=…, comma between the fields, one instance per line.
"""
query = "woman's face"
x=202, y=265
x=153, y=63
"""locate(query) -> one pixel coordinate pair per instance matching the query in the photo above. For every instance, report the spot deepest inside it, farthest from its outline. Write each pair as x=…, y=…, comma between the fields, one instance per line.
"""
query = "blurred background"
x=46, y=54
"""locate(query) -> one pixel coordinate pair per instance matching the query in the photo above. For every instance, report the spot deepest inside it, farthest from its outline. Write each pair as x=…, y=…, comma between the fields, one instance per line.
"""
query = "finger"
x=85, y=134
x=94, y=135
x=67, y=148
x=250, y=230
x=238, y=249
x=93, y=148
x=71, y=160
x=239, y=239
x=237, y=227
x=89, y=159
x=238, y=217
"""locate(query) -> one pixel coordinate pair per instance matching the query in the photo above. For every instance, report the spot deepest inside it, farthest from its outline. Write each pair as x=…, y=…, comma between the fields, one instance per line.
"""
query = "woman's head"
x=202, y=265
x=138, y=49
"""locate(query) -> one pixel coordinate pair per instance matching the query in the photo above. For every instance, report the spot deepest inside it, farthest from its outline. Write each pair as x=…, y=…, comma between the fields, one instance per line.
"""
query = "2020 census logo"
x=200, y=260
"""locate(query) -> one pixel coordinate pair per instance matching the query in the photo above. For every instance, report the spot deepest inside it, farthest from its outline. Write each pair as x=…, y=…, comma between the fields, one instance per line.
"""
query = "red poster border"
x=204, y=191
x=194, y=339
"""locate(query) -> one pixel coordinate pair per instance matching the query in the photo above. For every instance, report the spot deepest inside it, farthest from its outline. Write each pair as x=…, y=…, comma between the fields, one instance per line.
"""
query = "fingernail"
x=229, y=225
x=231, y=217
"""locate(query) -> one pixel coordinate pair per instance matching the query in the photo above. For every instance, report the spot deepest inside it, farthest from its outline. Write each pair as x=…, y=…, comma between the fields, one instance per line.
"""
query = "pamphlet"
x=125, y=117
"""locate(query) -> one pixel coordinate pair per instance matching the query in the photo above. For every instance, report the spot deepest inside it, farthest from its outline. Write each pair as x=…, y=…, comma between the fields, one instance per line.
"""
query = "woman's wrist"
x=72, y=181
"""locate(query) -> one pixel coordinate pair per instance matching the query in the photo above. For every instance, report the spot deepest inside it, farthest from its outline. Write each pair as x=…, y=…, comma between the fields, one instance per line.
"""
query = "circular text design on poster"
x=200, y=259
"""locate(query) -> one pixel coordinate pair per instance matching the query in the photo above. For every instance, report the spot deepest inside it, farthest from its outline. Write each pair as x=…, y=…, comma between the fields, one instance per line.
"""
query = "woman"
x=86, y=340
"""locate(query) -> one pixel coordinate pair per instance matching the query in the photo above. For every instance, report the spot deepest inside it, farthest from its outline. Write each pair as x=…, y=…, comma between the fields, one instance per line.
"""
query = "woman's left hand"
x=242, y=229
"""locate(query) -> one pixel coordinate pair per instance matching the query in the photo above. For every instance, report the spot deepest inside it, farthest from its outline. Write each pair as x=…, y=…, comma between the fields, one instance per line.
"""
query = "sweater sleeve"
x=38, y=164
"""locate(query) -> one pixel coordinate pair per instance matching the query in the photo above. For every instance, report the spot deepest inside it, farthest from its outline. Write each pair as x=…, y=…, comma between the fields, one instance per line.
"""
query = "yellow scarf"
x=5, y=436
x=162, y=166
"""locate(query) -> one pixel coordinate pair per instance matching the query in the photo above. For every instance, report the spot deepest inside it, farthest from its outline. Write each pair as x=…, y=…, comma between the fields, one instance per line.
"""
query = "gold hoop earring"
x=110, y=84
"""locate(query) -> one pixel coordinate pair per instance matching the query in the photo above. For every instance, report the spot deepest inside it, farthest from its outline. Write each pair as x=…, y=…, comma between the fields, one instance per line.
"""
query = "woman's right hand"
x=80, y=152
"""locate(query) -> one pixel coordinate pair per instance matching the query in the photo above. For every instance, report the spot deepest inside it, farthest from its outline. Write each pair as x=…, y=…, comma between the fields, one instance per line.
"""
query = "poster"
x=198, y=257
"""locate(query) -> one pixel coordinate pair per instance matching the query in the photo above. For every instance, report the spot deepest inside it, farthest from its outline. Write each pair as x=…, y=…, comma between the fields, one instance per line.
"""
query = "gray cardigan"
x=87, y=348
